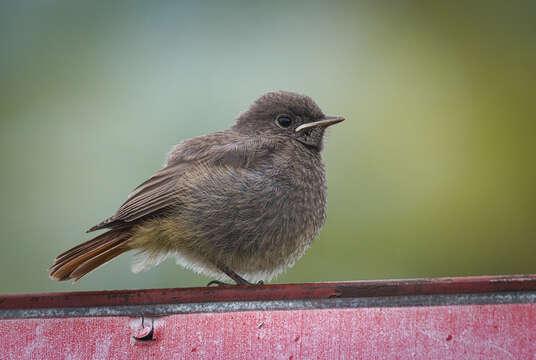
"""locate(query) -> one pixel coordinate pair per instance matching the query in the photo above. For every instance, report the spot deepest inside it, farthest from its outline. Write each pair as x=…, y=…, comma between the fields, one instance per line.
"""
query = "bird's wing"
x=158, y=193
x=162, y=190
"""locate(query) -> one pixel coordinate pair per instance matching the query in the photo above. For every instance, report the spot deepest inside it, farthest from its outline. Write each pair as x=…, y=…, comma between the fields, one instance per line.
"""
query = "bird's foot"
x=243, y=283
x=237, y=278
x=218, y=283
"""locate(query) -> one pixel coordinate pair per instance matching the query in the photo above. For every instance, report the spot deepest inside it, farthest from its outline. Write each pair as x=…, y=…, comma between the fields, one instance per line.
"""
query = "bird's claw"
x=218, y=283
x=245, y=283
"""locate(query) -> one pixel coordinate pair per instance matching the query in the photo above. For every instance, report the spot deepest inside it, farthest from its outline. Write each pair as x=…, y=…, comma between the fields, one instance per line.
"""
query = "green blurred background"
x=433, y=173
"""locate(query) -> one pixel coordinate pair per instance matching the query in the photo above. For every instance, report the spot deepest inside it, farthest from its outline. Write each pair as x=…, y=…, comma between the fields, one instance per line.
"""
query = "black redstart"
x=244, y=202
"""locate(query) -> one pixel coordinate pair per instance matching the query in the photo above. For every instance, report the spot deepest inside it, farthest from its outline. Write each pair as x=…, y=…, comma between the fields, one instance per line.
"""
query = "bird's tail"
x=78, y=261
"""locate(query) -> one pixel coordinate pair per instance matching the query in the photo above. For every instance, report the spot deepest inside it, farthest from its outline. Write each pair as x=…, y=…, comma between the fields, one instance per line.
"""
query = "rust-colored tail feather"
x=81, y=259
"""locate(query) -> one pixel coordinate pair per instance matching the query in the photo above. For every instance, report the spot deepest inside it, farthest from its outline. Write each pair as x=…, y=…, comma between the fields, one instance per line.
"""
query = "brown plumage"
x=247, y=201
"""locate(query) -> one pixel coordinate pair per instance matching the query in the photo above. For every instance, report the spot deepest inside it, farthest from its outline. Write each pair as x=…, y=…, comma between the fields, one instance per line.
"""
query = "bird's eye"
x=284, y=121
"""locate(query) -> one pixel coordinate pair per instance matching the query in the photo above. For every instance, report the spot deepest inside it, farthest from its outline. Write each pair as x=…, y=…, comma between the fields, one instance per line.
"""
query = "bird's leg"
x=237, y=278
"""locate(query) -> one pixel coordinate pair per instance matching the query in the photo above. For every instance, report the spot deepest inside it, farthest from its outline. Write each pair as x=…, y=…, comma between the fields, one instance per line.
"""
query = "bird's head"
x=285, y=113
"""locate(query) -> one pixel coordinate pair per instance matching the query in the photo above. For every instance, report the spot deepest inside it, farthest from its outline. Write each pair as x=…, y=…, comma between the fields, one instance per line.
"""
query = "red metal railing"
x=473, y=317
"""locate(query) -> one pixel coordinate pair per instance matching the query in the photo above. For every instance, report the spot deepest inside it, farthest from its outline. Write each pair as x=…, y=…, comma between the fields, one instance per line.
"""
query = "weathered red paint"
x=460, y=285
x=494, y=330
x=444, y=332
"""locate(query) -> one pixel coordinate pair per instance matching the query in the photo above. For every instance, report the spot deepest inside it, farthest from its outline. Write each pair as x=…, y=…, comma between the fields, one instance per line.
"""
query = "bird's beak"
x=328, y=121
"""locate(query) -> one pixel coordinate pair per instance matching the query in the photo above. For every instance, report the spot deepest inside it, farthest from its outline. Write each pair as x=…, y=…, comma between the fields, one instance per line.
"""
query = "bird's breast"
x=271, y=212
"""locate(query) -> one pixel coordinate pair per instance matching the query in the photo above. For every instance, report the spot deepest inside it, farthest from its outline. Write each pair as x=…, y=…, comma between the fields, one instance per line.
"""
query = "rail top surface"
x=377, y=293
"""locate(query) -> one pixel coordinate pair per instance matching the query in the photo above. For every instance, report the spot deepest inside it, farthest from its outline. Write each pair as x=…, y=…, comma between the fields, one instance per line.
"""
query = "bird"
x=242, y=204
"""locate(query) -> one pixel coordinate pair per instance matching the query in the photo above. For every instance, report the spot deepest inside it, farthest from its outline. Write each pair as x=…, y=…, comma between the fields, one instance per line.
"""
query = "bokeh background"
x=433, y=173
